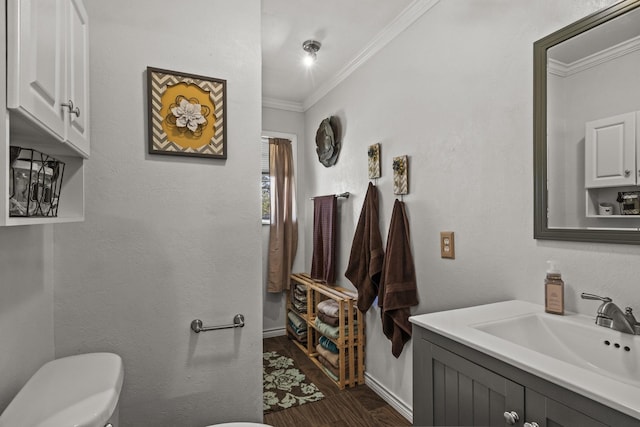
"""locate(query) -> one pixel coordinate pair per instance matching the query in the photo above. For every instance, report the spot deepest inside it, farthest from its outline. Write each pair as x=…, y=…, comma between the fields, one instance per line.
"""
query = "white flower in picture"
x=188, y=115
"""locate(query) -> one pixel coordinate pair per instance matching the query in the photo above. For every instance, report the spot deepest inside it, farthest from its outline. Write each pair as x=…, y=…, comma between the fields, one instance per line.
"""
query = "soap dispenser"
x=553, y=290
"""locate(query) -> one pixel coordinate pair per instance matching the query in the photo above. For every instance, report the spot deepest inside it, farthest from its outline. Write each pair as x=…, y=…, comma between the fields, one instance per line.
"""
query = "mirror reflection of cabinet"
x=611, y=152
x=612, y=162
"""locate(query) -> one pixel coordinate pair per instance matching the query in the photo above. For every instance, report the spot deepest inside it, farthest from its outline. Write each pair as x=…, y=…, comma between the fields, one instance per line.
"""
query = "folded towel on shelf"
x=300, y=306
x=328, y=344
x=398, y=288
x=335, y=371
x=301, y=290
x=297, y=334
x=299, y=300
x=366, y=258
x=329, y=320
x=323, y=265
x=333, y=358
x=331, y=375
x=298, y=324
x=330, y=307
x=302, y=297
x=331, y=331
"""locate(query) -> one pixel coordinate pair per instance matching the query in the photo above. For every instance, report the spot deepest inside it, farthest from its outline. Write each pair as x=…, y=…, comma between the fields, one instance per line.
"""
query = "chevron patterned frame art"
x=187, y=114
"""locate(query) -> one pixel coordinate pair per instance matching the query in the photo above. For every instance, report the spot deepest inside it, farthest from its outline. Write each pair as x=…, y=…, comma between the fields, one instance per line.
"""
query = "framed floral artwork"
x=187, y=114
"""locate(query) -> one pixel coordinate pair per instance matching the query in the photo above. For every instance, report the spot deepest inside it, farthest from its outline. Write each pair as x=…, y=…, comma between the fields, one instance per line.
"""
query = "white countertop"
x=458, y=325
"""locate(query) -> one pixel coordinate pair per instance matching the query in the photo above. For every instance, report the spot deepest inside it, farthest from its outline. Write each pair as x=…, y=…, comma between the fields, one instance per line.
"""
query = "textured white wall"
x=454, y=93
x=281, y=121
x=26, y=305
x=169, y=239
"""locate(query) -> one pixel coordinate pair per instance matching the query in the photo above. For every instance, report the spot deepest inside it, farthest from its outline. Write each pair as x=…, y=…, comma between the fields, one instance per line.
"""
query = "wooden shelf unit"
x=351, y=340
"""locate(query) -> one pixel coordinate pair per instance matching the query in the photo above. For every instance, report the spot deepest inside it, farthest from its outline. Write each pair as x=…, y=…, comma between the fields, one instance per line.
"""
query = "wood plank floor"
x=351, y=407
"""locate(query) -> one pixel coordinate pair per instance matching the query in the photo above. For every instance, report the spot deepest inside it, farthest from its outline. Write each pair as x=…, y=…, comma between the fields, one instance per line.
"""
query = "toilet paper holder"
x=196, y=325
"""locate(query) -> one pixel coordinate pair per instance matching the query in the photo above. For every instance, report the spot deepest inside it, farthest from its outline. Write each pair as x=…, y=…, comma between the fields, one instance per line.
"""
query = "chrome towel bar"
x=196, y=325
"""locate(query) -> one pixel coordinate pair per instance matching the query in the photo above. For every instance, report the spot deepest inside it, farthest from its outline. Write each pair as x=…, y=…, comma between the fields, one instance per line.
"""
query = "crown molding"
x=407, y=17
x=281, y=104
x=561, y=69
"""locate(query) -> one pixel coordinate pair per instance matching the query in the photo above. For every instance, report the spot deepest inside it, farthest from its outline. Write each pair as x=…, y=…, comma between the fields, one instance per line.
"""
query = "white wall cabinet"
x=48, y=68
x=46, y=103
x=612, y=162
x=612, y=157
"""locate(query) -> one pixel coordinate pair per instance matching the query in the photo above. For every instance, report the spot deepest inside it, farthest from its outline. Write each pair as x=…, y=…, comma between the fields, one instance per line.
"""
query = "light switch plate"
x=447, y=245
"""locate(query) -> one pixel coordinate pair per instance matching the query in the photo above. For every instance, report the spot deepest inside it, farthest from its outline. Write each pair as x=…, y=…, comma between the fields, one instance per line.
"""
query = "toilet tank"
x=78, y=391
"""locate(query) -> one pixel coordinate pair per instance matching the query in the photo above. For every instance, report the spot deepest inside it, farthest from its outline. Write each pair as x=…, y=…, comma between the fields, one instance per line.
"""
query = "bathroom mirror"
x=587, y=128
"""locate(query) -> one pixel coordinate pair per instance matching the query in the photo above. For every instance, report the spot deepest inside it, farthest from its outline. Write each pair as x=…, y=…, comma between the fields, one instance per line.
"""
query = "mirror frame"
x=540, y=201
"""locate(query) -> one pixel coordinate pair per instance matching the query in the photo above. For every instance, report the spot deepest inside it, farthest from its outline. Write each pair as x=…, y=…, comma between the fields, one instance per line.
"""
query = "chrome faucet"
x=611, y=316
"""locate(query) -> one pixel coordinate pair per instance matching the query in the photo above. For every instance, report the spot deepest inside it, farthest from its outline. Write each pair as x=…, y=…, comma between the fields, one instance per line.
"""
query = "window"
x=265, y=184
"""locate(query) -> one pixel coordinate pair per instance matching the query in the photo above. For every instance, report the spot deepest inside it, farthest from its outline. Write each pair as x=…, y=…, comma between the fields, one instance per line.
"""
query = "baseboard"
x=389, y=397
x=273, y=332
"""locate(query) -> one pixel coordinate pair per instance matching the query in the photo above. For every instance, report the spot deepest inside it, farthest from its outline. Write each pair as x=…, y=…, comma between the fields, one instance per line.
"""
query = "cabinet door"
x=549, y=413
x=35, y=72
x=77, y=75
x=610, y=151
x=459, y=392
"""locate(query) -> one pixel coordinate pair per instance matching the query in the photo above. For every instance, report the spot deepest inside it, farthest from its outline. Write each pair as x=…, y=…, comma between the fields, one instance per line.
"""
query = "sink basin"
x=570, y=351
x=574, y=341
x=75, y=391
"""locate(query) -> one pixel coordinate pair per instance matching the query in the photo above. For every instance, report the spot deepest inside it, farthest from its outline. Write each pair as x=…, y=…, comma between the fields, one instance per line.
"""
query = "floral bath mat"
x=284, y=385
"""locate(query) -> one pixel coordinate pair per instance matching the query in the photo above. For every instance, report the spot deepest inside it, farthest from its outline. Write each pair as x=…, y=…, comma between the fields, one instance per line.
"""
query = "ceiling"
x=350, y=32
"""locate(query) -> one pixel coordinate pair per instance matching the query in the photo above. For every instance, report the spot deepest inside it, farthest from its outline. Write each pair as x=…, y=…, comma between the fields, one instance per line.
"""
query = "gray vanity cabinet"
x=548, y=413
x=463, y=393
x=456, y=385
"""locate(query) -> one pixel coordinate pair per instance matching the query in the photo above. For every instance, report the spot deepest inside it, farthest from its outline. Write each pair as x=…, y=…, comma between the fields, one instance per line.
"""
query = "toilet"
x=81, y=390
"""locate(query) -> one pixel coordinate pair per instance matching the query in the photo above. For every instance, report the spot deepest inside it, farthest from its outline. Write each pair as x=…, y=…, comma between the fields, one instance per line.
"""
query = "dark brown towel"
x=365, y=261
x=323, y=265
x=398, y=288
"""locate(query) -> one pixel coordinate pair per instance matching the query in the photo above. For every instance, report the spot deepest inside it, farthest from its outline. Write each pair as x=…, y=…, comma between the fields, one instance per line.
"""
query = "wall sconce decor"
x=187, y=114
x=328, y=141
x=374, y=161
x=400, y=175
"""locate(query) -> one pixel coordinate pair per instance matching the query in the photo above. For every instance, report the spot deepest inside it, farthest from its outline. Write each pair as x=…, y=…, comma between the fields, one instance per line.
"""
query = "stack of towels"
x=299, y=300
x=327, y=319
x=329, y=356
x=298, y=326
x=327, y=322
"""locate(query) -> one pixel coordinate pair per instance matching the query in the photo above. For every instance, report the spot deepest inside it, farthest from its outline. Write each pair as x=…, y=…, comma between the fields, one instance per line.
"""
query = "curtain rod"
x=346, y=195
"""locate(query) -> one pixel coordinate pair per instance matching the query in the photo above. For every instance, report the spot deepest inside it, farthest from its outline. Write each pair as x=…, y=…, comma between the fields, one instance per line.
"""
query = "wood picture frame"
x=187, y=114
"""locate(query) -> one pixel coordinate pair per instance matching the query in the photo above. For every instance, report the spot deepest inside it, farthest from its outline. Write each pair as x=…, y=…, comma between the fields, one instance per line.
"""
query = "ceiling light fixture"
x=311, y=47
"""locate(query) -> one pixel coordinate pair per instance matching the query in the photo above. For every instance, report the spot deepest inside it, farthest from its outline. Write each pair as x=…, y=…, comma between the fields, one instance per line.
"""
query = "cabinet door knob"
x=72, y=110
x=627, y=172
x=511, y=417
x=533, y=424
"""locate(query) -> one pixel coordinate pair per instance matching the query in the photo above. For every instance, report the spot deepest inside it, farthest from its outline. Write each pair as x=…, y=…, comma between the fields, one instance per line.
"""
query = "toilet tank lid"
x=80, y=390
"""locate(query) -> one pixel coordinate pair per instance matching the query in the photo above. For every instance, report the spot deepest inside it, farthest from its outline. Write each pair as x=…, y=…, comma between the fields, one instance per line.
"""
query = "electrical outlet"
x=447, y=245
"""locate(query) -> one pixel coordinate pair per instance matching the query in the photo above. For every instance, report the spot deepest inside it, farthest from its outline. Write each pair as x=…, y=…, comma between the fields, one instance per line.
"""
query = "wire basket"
x=35, y=180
